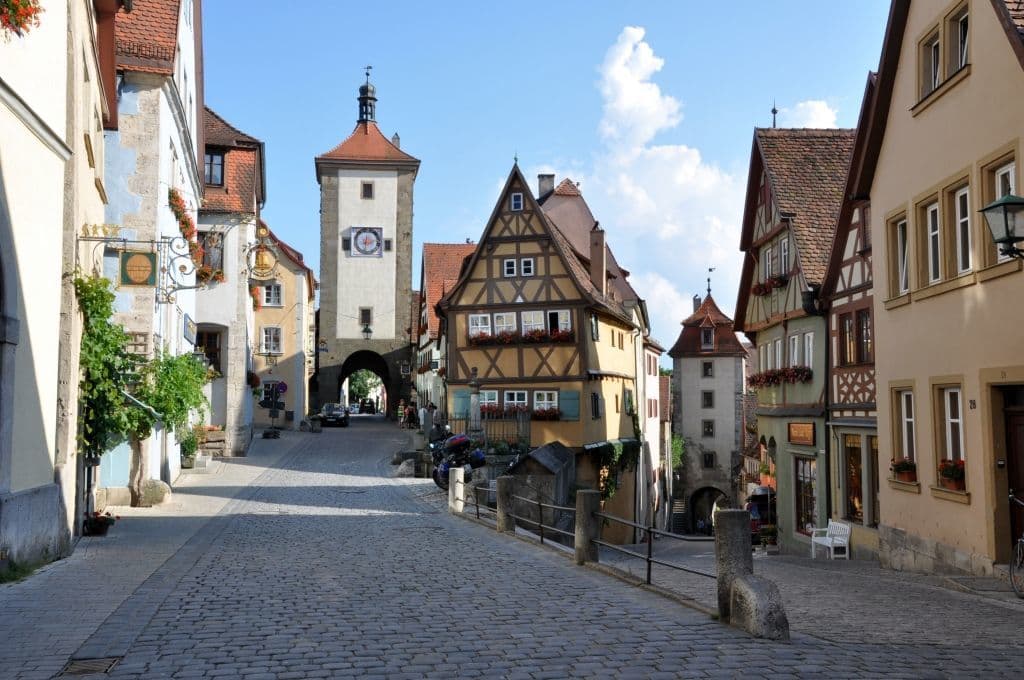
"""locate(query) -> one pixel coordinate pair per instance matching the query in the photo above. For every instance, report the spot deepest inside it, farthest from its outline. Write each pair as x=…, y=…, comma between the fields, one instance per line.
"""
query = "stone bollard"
x=506, y=506
x=456, y=489
x=732, y=553
x=588, y=501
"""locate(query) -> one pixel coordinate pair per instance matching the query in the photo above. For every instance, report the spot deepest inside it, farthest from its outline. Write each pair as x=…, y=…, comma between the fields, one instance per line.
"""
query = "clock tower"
x=366, y=188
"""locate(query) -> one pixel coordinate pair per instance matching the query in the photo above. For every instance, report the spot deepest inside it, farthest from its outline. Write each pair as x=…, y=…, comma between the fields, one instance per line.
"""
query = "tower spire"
x=774, y=111
x=367, y=100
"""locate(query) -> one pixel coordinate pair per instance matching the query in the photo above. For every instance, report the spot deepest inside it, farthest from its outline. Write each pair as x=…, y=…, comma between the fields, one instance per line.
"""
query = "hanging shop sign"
x=138, y=268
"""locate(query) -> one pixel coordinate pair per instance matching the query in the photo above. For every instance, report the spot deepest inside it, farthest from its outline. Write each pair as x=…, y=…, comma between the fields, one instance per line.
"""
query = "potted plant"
x=189, y=443
x=98, y=523
x=904, y=469
x=770, y=538
x=952, y=474
x=765, y=472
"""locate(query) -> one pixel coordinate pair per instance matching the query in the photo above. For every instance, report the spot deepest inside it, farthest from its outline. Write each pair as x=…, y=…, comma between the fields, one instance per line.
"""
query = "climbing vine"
x=105, y=367
x=611, y=458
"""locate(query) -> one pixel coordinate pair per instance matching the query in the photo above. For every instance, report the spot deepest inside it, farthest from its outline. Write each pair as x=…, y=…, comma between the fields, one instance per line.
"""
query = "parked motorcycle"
x=456, y=451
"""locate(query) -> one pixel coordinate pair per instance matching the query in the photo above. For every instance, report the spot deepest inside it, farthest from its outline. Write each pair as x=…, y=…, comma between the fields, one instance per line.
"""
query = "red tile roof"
x=145, y=39
x=219, y=132
x=367, y=143
x=665, y=397
x=1015, y=8
x=243, y=187
x=567, y=188
x=807, y=170
x=442, y=263
x=707, y=315
x=295, y=257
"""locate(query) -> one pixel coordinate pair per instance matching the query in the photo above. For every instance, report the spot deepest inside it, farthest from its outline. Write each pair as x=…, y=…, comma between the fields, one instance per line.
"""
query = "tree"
x=361, y=383
x=664, y=371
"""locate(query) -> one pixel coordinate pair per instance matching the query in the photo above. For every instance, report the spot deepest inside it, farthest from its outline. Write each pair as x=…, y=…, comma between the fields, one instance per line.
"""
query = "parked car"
x=334, y=414
x=366, y=406
x=761, y=506
x=353, y=408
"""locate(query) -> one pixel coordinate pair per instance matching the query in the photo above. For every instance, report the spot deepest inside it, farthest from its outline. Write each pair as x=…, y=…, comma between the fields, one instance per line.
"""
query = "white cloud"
x=812, y=113
x=669, y=214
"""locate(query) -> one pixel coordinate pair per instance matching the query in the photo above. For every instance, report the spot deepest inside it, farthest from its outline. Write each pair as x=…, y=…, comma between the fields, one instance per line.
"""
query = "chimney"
x=598, y=259
x=696, y=302
x=545, y=185
x=396, y=140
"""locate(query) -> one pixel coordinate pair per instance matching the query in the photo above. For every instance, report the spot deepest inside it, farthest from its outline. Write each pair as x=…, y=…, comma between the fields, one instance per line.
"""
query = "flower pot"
x=91, y=528
x=952, y=484
x=188, y=462
x=906, y=476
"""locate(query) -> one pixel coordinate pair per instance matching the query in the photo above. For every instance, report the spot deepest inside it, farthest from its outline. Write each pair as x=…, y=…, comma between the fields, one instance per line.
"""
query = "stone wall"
x=904, y=551
x=31, y=530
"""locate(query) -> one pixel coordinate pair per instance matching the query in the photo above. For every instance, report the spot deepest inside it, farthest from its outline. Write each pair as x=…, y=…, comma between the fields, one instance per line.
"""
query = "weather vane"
x=368, y=69
x=710, y=269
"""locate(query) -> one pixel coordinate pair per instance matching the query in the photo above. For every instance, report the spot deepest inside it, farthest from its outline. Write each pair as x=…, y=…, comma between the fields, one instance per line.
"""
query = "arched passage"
x=702, y=506
x=368, y=361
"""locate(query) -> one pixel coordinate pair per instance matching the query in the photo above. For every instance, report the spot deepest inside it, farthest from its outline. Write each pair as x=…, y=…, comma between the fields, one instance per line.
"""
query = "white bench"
x=837, y=535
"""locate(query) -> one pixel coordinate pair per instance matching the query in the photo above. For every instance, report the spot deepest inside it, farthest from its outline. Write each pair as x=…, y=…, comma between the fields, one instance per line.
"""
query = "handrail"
x=649, y=558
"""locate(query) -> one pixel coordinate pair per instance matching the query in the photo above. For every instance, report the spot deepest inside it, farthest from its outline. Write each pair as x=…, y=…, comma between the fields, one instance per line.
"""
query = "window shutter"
x=460, y=405
x=569, y=403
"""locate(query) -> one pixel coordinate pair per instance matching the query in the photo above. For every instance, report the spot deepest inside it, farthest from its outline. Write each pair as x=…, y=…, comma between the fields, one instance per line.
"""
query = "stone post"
x=506, y=505
x=456, y=489
x=588, y=501
x=732, y=554
x=474, y=428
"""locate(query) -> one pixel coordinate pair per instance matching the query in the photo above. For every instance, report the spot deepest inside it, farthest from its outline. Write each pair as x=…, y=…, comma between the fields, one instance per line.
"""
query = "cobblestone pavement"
x=324, y=566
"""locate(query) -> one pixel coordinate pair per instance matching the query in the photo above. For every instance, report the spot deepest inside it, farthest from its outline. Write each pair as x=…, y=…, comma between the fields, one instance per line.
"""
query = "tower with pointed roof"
x=708, y=373
x=366, y=194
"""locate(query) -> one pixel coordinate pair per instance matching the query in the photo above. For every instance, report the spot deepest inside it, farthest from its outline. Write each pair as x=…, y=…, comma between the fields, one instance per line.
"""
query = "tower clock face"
x=367, y=241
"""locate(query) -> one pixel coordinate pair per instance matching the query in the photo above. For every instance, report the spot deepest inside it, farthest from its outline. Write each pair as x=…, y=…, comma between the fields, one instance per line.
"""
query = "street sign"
x=282, y=387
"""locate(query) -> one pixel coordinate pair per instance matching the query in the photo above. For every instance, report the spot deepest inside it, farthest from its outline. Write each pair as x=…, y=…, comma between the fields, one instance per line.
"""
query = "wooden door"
x=1015, y=468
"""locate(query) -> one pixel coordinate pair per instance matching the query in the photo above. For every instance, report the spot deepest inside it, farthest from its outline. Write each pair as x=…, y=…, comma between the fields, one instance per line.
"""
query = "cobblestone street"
x=314, y=562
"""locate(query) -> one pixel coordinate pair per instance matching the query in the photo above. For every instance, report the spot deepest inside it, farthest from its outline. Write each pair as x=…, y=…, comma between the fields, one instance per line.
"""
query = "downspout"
x=145, y=407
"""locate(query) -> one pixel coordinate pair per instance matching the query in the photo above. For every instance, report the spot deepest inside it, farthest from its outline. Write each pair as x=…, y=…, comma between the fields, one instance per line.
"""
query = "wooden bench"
x=837, y=535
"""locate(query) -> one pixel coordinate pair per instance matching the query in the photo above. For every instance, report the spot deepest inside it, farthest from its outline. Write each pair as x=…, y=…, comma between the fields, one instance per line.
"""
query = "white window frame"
x=762, y=357
x=504, y=322
x=488, y=397
x=516, y=202
x=526, y=266
x=479, y=324
x=545, y=399
x=902, y=255
x=767, y=263
x=907, y=427
x=508, y=267
x=962, y=210
x=704, y=344
x=274, y=346
x=934, y=74
x=778, y=353
x=963, y=38
x=536, y=323
x=784, y=255
x=564, y=320
x=269, y=296
x=516, y=398
x=952, y=419
x=1009, y=172
x=808, y=349
x=933, y=239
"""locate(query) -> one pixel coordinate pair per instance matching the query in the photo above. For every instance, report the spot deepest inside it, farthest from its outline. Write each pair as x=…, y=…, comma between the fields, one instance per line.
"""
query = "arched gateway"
x=366, y=186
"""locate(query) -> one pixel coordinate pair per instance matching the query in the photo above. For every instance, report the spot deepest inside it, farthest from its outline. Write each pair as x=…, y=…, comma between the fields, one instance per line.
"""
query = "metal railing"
x=476, y=500
x=540, y=516
x=649, y=558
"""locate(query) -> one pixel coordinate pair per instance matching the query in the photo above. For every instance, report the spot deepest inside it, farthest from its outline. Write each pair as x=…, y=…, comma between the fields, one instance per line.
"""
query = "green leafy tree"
x=361, y=383
x=678, y=451
x=664, y=371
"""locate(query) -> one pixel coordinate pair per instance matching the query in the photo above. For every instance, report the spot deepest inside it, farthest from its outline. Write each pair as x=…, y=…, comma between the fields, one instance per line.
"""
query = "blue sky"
x=651, y=108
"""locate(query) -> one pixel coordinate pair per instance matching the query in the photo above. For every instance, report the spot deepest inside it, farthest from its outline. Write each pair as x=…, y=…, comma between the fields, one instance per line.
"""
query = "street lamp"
x=367, y=332
x=1005, y=218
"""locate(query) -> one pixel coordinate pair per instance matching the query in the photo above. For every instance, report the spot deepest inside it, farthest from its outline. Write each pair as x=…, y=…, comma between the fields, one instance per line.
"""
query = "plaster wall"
x=921, y=527
x=292, y=317
x=366, y=281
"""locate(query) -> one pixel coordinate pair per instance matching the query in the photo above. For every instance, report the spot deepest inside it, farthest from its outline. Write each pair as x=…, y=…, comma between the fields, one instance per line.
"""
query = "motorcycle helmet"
x=477, y=459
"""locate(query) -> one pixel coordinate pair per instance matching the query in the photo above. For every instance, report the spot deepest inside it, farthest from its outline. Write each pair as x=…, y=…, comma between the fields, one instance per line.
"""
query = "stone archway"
x=366, y=360
x=702, y=505
x=345, y=357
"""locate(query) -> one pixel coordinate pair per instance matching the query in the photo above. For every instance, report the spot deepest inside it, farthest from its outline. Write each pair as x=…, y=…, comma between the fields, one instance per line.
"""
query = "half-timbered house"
x=545, y=319
x=794, y=192
x=848, y=293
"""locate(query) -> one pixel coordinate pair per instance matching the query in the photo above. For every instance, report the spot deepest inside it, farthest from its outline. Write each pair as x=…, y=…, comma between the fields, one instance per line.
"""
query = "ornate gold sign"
x=138, y=268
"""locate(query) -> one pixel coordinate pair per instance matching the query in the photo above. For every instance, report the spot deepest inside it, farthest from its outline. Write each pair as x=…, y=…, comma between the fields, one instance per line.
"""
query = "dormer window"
x=215, y=169
x=707, y=338
x=516, y=202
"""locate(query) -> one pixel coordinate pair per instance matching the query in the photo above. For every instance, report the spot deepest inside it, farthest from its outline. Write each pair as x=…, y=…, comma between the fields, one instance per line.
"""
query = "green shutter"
x=569, y=404
x=460, y=408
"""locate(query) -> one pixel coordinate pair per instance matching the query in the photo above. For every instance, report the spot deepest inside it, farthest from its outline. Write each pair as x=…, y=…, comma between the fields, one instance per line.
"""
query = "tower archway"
x=367, y=360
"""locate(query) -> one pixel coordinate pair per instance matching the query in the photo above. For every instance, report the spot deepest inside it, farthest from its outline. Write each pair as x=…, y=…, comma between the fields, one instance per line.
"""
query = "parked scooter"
x=456, y=451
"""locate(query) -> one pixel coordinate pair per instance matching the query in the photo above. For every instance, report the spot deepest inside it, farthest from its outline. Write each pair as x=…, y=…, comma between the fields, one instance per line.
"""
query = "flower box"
x=546, y=414
x=952, y=474
x=777, y=376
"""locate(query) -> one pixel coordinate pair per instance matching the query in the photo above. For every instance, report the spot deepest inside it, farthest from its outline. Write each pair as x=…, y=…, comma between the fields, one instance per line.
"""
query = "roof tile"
x=707, y=315
x=366, y=143
x=145, y=39
x=442, y=263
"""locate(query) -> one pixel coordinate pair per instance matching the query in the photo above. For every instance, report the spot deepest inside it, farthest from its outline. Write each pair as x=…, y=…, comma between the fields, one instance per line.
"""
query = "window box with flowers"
x=18, y=16
x=206, y=273
x=952, y=475
x=777, y=376
x=903, y=470
x=546, y=414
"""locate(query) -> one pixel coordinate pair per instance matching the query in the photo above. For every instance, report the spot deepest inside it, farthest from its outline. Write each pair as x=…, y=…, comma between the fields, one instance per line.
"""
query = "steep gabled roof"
x=807, y=170
x=146, y=38
x=442, y=264
x=219, y=132
x=708, y=315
